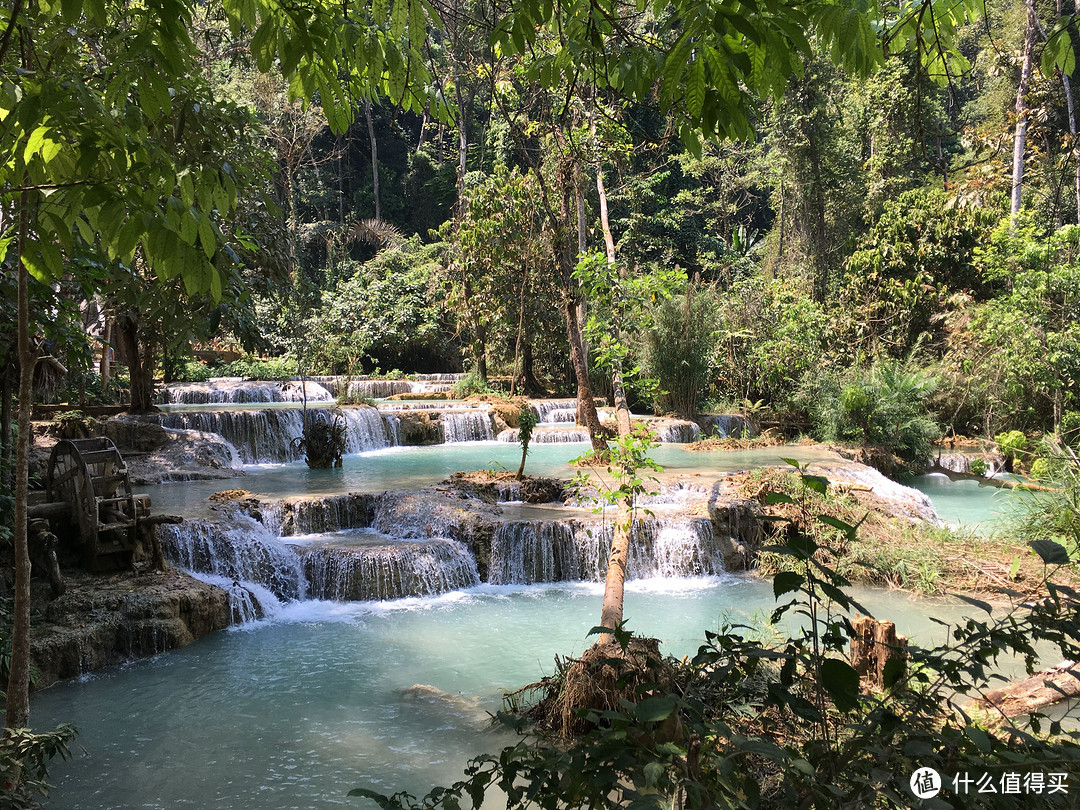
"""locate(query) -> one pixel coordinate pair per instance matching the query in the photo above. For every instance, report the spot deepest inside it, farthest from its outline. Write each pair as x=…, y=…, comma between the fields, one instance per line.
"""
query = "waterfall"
x=334, y=513
x=553, y=551
x=723, y=424
x=379, y=389
x=538, y=551
x=242, y=391
x=366, y=430
x=547, y=435
x=555, y=410
x=676, y=431
x=238, y=549
x=267, y=436
x=387, y=569
x=467, y=426
x=674, y=547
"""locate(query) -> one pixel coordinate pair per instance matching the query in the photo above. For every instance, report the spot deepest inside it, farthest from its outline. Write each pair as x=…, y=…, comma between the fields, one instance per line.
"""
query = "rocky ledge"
x=106, y=619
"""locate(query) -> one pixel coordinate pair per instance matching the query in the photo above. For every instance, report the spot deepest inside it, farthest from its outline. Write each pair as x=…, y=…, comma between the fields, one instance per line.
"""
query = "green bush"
x=471, y=383
x=1011, y=444
x=884, y=406
x=679, y=348
x=978, y=466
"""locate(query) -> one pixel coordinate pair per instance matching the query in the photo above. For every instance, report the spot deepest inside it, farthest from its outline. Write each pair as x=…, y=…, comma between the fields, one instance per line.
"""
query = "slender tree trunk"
x=1020, y=143
x=586, y=406
x=7, y=435
x=423, y=130
x=463, y=144
x=582, y=230
x=622, y=409
x=1070, y=105
x=374, y=158
x=528, y=370
x=106, y=347
x=17, y=714
x=611, y=613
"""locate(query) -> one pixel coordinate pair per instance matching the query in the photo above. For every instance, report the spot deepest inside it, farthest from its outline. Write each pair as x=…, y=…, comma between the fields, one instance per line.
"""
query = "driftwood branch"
x=1000, y=483
x=1041, y=689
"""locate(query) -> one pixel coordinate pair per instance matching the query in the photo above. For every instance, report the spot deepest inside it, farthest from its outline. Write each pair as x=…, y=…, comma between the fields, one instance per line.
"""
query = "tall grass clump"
x=678, y=350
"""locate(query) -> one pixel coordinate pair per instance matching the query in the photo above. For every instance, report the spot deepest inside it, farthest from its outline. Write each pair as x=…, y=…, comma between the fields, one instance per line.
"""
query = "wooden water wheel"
x=90, y=476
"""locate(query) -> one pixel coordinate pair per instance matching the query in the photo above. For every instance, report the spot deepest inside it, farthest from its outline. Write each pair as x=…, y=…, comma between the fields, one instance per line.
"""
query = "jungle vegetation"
x=860, y=219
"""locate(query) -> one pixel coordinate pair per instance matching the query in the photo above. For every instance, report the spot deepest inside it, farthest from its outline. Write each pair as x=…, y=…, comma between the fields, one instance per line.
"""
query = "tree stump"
x=874, y=645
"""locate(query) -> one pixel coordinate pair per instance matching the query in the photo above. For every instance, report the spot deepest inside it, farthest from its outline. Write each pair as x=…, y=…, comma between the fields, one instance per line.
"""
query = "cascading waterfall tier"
x=224, y=391
x=554, y=551
x=547, y=434
x=549, y=411
x=268, y=436
x=676, y=431
x=239, y=549
x=723, y=425
x=471, y=425
x=365, y=565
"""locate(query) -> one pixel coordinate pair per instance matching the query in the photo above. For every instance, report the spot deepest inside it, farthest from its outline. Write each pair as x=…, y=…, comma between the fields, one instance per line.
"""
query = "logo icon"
x=926, y=783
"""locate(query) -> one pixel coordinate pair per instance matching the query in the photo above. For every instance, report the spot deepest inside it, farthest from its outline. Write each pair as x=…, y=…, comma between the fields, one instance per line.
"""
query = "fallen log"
x=1000, y=483
x=1041, y=689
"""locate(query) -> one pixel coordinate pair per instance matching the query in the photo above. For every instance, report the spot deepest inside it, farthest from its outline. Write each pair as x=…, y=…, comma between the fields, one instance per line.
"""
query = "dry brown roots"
x=598, y=681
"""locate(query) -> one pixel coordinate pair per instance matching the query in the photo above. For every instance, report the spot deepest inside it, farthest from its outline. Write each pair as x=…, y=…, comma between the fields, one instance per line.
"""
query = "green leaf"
x=1051, y=553
x=695, y=88
x=818, y=483
x=841, y=682
x=655, y=709
x=981, y=605
x=778, y=497
x=786, y=581
x=980, y=738
x=652, y=773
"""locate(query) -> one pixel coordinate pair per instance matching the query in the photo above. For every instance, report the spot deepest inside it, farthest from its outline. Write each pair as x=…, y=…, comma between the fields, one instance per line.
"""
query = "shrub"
x=678, y=350
x=1011, y=444
x=978, y=466
x=884, y=406
x=471, y=383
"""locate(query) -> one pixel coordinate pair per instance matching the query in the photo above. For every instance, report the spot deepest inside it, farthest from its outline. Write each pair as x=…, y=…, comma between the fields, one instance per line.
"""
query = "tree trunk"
x=1020, y=144
x=139, y=372
x=423, y=130
x=17, y=714
x=106, y=347
x=374, y=158
x=7, y=435
x=463, y=144
x=1031, y=694
x=622, y=409
x=586, y=407
x=611, y=613
x=528, y=371
x=1070, y=105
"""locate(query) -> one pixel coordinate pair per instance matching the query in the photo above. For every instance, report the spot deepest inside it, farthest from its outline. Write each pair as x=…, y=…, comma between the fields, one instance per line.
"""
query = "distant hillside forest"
x=896, y=235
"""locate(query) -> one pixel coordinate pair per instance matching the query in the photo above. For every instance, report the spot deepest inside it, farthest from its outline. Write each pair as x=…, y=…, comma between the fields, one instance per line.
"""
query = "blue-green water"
x=415, y=467
x=983, y=509
x=295, y=712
